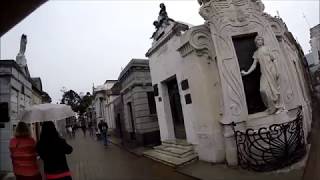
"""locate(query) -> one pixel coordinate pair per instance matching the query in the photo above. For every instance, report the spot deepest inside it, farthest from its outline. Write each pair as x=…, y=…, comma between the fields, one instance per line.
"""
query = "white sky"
x=78, y=43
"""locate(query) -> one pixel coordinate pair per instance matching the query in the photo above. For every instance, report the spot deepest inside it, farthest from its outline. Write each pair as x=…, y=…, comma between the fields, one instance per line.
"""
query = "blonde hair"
x=22, y=130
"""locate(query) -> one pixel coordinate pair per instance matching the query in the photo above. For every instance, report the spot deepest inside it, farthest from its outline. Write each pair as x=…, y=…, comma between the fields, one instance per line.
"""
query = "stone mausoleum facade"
x=139, y=123
x=219, y=84
x=15, y=95
x=18, y=90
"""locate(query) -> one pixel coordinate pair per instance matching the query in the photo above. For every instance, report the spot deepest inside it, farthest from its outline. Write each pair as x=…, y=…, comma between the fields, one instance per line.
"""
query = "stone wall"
x=202, y=115
x=315, y=43
x=16, y=89
x=135, y=83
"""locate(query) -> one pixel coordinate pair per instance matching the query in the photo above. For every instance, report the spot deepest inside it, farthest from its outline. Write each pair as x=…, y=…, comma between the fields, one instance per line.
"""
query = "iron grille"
x=268, y=149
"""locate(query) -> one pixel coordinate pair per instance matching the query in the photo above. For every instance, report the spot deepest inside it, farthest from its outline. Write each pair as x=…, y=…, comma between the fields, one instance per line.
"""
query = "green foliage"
x=77, y=103
x=85, y=102
x=71, y=98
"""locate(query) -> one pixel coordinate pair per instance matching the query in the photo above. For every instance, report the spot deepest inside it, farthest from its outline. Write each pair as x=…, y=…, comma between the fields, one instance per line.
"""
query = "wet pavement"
x=90, y=160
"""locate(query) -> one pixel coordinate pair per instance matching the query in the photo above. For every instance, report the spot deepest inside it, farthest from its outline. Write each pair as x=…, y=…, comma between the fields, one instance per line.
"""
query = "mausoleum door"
x=119, y=125
x=245, y=47
x=176, y=109
x=133, y=133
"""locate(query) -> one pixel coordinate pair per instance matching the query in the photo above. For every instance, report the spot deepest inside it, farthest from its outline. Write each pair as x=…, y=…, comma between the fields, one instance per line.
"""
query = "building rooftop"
x=13, y=63
x=315, y=31
x=36, y=82
x=310, y=59
x=133, y=63
x=110, y=81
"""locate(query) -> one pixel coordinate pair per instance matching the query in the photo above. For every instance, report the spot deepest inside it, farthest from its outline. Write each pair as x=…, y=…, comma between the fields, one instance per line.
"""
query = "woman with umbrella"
x=53, y=149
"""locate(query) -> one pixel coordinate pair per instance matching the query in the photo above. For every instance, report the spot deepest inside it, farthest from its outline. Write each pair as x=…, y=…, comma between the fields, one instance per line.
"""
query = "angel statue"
x=21, y=59
x=270, y=78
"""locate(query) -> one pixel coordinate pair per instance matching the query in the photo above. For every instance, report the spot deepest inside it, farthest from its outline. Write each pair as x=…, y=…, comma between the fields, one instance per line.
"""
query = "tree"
x=71, y=98
x=85, y=102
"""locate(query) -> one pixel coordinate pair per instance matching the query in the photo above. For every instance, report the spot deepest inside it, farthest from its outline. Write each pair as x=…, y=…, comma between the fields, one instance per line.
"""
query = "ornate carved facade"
x=211, y=57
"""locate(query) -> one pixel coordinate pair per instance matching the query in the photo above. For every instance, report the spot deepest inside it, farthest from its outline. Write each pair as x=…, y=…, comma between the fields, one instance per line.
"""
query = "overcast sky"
x=80, y=43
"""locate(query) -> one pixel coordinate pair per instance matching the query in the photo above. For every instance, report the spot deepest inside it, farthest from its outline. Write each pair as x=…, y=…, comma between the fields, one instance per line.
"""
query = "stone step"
x=177, y=143
x=169, y=160
x=175, y=155
x=174, y=149
x=178, y=146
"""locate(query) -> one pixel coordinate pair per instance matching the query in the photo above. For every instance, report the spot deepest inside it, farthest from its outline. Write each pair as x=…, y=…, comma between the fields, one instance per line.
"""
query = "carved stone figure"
x=269, y=81
x=21, y=59
x=163, y=18
x=259, y=5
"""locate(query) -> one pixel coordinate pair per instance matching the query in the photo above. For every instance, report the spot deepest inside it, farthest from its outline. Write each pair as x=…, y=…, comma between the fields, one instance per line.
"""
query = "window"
x=152, y=103
x=4, y=112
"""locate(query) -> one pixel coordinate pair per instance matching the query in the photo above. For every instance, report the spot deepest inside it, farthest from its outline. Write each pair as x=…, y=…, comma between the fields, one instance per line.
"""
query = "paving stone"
x=92, y=161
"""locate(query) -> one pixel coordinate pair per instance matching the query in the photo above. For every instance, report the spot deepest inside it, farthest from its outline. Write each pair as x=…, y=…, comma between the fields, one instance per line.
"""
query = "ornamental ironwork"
x=268, y=149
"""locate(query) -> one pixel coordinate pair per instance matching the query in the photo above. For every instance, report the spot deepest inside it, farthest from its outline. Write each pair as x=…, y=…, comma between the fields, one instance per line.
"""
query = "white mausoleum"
x=242, y=69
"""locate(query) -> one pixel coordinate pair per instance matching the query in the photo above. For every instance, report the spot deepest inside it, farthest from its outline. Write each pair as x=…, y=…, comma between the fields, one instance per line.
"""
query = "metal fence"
x=272, y=148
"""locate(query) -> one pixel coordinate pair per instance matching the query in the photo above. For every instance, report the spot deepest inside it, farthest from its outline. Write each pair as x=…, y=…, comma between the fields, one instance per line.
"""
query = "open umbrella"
x=45, y=112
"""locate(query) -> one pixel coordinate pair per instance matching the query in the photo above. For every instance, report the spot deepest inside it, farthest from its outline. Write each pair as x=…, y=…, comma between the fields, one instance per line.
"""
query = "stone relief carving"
x=258, y=5
x=230, y=76
x=234, y=11
x=277, y=25
x=235, y=102
x=207, y=11
x=228, y=18
x=200, y=42
x=270, y=77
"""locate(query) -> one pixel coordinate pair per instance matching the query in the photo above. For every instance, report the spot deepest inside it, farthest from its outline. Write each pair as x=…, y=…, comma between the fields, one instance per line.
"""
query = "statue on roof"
x=23, y=44
x=163, y=18
x=21, y=59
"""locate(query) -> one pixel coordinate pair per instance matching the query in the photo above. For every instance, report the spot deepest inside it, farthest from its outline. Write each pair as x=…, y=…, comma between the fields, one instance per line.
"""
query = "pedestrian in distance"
x=70, y=131
x=24, y=155
x=84, y=128
x=91, y=128
x=53, y=149
x=103, y=127
x=73, y=128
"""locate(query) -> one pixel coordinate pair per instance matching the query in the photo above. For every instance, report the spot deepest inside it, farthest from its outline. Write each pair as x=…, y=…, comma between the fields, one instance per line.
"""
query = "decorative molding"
x=197, y=39
x=237, y=12
x=277, y=25
x=186, y=49
x=173, y=29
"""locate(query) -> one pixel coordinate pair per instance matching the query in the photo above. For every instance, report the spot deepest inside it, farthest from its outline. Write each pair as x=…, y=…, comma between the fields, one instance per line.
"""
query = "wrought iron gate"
x=272, y=148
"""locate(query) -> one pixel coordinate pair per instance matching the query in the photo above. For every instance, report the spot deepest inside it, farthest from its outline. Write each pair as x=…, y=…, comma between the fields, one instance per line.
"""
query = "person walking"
x=74, y=129
x=90, y=127
x=52, y=150
x=70, y=131
x=103, y=127
x=83, y=127
x=23, y=153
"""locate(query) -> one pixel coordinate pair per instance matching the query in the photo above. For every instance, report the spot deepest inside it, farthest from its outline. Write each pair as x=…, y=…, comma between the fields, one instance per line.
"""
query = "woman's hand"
x=243, y=73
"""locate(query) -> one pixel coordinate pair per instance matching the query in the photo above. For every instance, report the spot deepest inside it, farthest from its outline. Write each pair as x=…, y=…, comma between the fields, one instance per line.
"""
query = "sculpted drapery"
x=269, y=80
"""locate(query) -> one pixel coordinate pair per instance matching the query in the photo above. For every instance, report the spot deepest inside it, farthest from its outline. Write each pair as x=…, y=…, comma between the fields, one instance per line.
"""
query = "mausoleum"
x=233, y=89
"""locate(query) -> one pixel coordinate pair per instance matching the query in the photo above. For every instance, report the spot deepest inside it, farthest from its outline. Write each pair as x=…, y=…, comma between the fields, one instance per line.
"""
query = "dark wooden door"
x=176, y=109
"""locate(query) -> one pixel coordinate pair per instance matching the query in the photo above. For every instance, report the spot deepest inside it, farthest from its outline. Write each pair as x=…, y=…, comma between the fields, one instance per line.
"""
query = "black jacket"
x=103, y=127
x=53, y=153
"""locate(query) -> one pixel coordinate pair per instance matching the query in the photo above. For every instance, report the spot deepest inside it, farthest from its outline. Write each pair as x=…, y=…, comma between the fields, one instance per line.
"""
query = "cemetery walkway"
x=90, y=160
